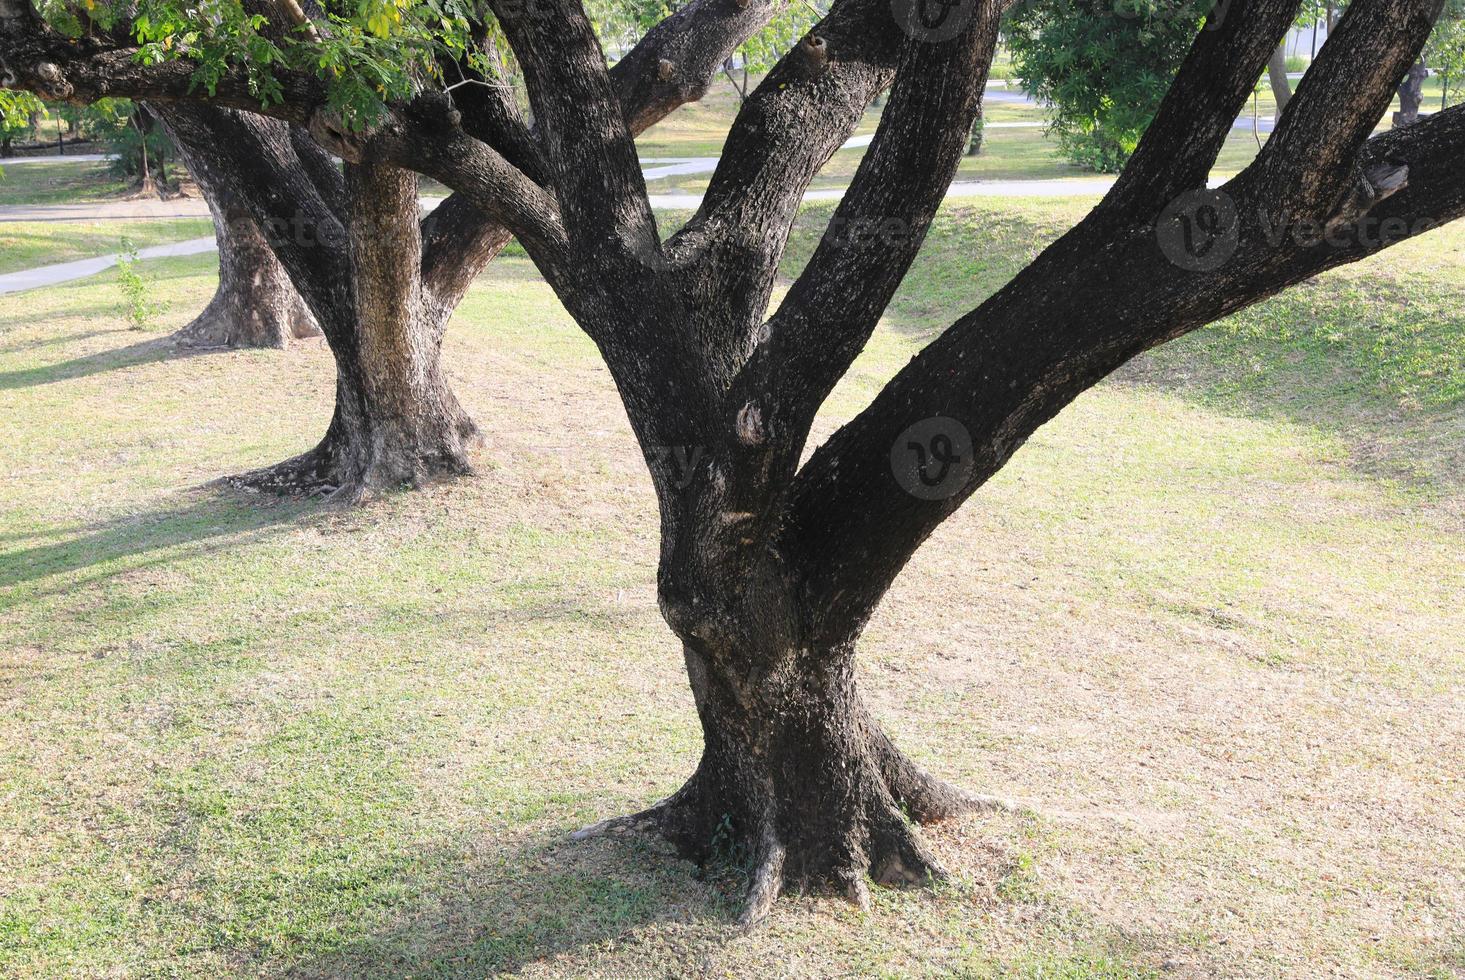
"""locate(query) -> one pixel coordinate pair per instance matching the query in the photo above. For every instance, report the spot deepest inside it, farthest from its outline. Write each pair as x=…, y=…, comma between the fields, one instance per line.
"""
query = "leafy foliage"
x=1103, y=67
x=1445, y=54
x=137, y=289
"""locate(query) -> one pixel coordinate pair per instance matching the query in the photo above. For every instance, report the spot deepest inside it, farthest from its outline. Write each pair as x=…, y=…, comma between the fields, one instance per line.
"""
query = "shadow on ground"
x=210, y=519
x=536, y=901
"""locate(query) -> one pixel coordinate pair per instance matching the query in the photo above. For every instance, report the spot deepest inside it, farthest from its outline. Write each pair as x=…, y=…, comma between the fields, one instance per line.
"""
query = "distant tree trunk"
x=396, y=423
x=6, y=149
x=255, y=305
x=1277, y=77
x=1411, y=95
x=353, y=249
x=974, y=144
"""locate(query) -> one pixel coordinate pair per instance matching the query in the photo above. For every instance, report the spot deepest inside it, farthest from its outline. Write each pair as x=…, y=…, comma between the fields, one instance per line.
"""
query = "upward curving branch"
x=876, y=231
x=1073, y=316
x=459, y=240
x=1181, y=145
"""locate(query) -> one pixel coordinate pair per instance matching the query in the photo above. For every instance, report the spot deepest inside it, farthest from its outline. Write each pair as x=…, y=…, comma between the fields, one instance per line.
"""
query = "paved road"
x=67, y=271
x=657, y=169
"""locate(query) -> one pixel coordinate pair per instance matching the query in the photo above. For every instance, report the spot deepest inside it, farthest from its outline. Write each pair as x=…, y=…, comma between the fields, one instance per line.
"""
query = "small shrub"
x=137, y=289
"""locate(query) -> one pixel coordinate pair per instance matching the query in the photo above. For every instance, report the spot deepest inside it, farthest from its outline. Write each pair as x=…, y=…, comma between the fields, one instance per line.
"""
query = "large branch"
x=800, y=114
x=1090, y=302
x=1181, y=144
x=589, y=149
x=1312, y=156
x=875, y=233
x=35, y=58
x=458, y=240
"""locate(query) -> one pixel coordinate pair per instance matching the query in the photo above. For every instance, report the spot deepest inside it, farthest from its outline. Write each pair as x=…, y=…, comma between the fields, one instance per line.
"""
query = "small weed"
x=137, y=289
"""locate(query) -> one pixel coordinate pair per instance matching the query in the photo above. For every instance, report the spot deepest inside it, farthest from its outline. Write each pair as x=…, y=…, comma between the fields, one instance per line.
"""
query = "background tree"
x=772, y=563
x=1445, y=53
x=1102, y=66
x=255, y=304
x=17, y=118
x=383, y=312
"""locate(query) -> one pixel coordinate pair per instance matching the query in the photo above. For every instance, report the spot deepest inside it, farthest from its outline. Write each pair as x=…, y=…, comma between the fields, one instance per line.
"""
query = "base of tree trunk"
x=235, y=321
x=814, y=814
x=356, y=461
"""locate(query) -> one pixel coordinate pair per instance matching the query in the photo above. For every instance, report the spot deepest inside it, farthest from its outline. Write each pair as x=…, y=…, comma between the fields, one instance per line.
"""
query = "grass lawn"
x=1208, y=625
x=28, y=244
x=58, y=183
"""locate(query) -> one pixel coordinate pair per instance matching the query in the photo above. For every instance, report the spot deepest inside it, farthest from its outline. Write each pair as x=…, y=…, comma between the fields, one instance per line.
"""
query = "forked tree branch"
x=458, y=240
x=1312, y=157
x=790, y=125
x=587, y=145
x=1181, y=145
x=875, y=233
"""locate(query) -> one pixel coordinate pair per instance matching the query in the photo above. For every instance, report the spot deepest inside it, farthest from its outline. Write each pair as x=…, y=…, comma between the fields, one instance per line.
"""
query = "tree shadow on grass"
x=504, y=909
x=209, y=520
x=150, y=351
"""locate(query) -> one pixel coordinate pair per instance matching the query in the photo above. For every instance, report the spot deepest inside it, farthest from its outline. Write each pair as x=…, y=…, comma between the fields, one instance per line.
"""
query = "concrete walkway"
x=50, y=275
x=58, y=158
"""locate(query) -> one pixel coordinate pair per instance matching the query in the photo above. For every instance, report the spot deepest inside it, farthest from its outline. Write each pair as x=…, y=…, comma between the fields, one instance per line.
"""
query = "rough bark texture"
x=255, y=305
x=351, y=247
x=798, y=778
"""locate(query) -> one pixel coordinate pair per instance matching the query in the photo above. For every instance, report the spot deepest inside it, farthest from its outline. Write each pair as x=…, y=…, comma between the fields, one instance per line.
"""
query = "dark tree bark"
x=255, y=305
x=771, y=564
x=350, y=245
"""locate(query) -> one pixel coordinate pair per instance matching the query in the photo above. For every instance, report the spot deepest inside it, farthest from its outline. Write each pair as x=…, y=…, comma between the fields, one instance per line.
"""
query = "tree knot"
x=666, y=70
x=330, y=131
x=815, y=51
x=750, y=429
x=1379, y=180
x=49, y=83
x=435, y=110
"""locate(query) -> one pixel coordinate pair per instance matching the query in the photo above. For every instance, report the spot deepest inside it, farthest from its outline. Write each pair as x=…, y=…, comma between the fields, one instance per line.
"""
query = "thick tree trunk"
x=397, y=423
x=798, y=780
x=255, y=305
x=387, y=433
x=1277, y=78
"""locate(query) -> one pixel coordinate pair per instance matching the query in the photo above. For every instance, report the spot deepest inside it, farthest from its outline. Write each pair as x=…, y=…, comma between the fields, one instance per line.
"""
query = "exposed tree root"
x=875, y=841
x=353, y=473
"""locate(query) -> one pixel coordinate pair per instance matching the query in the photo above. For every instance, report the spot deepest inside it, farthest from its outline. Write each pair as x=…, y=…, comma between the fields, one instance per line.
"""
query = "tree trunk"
x=396, y=423
x=797, y=776
x=255, y=304
x=6, y=149
x=974, y=143
x=1411, y=95
x=1277, y=78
